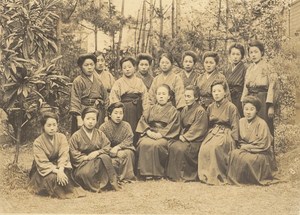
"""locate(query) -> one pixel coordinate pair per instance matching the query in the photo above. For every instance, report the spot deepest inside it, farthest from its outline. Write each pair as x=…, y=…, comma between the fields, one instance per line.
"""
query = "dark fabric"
x=147, y=79
x=191, y=80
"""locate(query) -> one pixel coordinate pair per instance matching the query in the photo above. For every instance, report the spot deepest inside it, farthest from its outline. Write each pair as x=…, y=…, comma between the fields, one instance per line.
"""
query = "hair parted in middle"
x=212, y=54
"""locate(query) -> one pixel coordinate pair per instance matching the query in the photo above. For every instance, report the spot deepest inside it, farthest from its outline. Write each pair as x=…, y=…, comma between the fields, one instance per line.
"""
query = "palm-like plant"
x=28, y=41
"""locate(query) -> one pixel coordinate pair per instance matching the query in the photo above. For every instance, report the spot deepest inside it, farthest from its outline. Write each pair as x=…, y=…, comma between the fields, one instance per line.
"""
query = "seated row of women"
x=211, y=145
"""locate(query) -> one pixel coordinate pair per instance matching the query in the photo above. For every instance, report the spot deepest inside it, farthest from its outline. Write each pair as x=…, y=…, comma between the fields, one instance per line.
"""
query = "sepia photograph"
x=150, y=107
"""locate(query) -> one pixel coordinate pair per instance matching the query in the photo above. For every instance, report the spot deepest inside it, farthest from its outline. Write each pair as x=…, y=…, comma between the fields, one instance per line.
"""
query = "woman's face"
x=90, y=120
x=189, y=97
x=162, y=95
x=50, y=127
x=218, y=92
x=235, y=56
x=128, y=69
x=100, y=65
x=165, y=64
x=143, y=66
x=117, y=115
x=255, y=54
x=249, y=111
x=188, y=63
x=88, y=67
x=209, y=64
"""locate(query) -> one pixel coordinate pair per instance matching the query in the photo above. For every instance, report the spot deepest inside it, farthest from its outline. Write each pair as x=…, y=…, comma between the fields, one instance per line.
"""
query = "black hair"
x=113, y=106
x=239, y=47
x=212, y=54
x=258, y=44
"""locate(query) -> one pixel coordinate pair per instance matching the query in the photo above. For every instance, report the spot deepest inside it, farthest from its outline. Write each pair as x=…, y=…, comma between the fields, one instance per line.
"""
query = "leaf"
x=55, y=59
x=13, y=67
x=53, y=45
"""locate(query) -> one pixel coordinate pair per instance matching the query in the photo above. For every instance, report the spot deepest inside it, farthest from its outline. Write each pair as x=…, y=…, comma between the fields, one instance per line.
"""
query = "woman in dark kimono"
x=132, y=92
x=120, y=136
x=157, y=127
x=261, y=81
x=252, y=162
x=89, y=150
x=235, y=74
x=169, y=77
x=189, y=75
x=221, y=138
x=87, y=91
x=144, y=62
x=204, y=81
x=51, y=169
x=183, y=153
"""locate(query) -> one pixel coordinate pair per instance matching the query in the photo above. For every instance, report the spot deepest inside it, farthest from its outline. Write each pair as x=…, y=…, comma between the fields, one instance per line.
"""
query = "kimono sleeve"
x=63, y=154
x=143, y=125
x=152, y=92
x=44, y=166
x=272, y=78
x=198, y=128
x=234, y=122
x=75, y=102
x=245, y=89
x=105, y=143
x=179, y=92
x=127, y=143
x=115, y=93
x=77, y=157
x=173, y=127
x=145, y=97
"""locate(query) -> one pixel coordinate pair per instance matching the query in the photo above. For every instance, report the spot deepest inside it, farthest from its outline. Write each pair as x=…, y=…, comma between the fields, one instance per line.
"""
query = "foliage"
x=287, y=138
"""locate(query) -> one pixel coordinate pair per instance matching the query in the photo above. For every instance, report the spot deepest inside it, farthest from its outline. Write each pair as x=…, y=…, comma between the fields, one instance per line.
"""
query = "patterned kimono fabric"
x=189, y=80
x=133, y=93
x=153, y=154
x=235, y=76
x=220, y=141
x=147, y=79
x=121, y=135
x=47, y=157
x=204, y=82
x=87, y=93
x=260, y=81
x=95, y=174
x=183, y=156
x=107, y=79
x=254, y=164
x=175, y=83
x=175, y=69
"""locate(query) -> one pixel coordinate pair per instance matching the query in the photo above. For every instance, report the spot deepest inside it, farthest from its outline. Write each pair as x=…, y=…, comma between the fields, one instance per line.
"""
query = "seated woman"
x=252, y=162
x=51, y=169
x=157, y=127
x=221, y=139
x=183, y=153
x=89, y=150
x=120, y=136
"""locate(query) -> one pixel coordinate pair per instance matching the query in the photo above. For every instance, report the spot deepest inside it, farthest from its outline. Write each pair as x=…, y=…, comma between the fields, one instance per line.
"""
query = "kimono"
x=86, y=93
x=49, y=156
x=183, y=156
x=189, y=80
x=174, y=69
x=133, y=94
x=92, y=175
x=204, y=82
x=260, y=81
x=107, y=79
x=220, y=140
x=121, y=135
x=153, y=154
x=175, y=83
x=252, y=163
x=147, y=79
x=235, y=76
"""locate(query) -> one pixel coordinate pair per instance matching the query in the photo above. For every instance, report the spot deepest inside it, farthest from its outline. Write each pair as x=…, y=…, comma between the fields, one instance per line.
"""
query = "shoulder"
x=126, y=125
x=38, y=140
x=78, y=79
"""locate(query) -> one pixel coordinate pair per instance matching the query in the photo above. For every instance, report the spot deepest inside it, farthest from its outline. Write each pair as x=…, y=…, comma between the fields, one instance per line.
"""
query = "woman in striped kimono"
x=144, y=62
x=235, y=74
x=204, y=81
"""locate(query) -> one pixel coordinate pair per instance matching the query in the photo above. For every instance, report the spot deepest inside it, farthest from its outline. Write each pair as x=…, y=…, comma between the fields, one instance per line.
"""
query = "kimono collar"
x=195, y=104
x=91, y=78
x=188, y=74
x=219, y=104
x=211, y=74
x=144, y=75
x=89, y=134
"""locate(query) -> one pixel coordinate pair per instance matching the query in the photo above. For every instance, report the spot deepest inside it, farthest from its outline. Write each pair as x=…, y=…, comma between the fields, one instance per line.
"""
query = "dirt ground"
x=157, y=197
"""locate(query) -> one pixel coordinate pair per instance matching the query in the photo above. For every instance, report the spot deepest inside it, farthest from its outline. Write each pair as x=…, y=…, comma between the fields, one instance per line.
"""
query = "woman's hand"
x=271, y=112
x=62, y=178
x=114, y=151
x=150, y=134
x=92, y=155
x=79, y=121
x=181, y=138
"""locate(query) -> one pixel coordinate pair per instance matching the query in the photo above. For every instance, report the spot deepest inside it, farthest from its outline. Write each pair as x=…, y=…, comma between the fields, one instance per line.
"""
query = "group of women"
x=182, y=124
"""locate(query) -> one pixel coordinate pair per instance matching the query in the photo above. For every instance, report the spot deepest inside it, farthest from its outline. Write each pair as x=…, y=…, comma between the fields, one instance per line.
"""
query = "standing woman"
x=221, y=139
x=210, y=61
x=188, y=74
x=120, y=136
x=89, y=150
x=168, y=77
x=51, y=169
x=260, y=81
x=105, y=76
x=157, y=127
x=87, y=91
x=252, y=162
x=235, y=74
x=144, y=62
x=183, y=153
x=131, y=91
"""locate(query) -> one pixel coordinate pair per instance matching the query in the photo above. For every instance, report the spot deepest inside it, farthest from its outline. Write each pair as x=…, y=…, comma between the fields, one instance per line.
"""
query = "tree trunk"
x=18, y=117
x=161, y=16
x=173, y=19
x=96, y=38
x=120, y=39
x=143, y=49
x=136, y=42
x=150, y=34
x=178, y=16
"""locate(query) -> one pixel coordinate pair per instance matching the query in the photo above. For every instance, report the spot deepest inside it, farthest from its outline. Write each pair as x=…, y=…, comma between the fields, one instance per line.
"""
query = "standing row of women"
x=184, y=125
